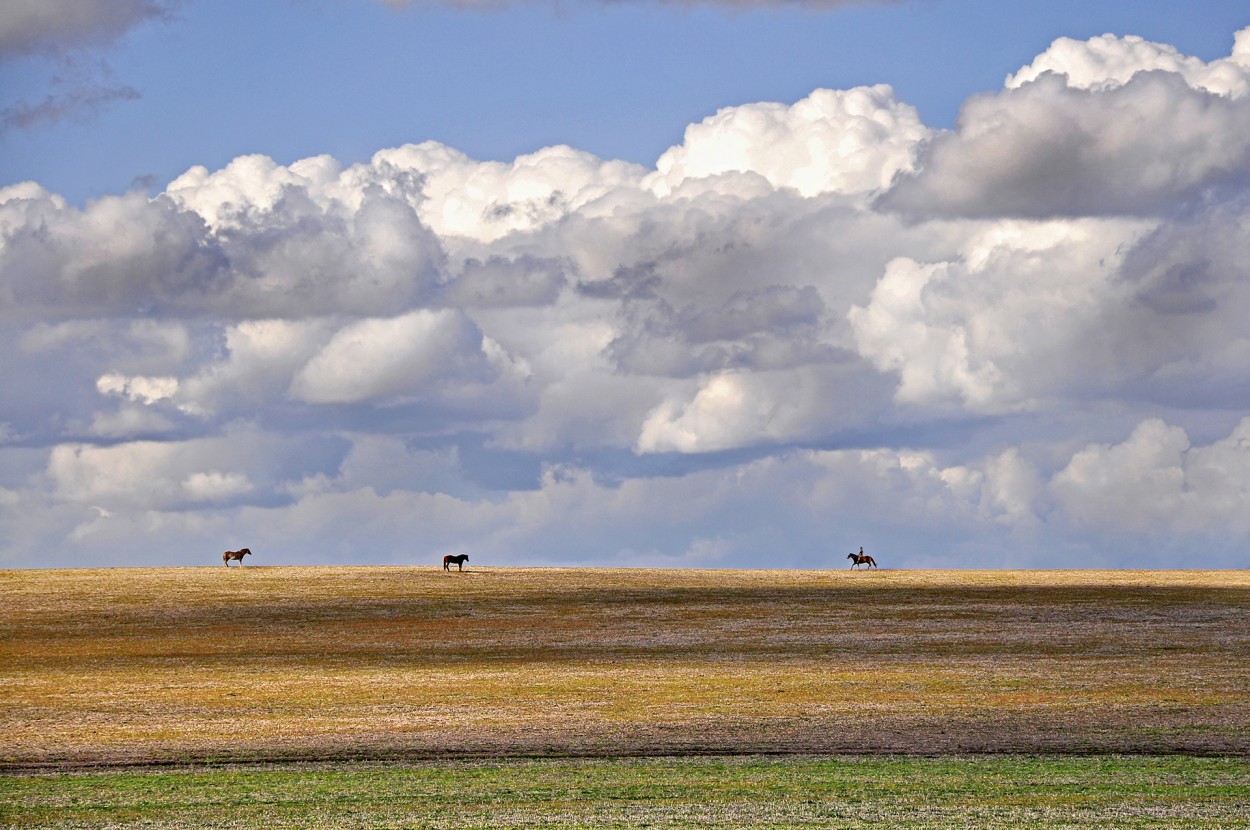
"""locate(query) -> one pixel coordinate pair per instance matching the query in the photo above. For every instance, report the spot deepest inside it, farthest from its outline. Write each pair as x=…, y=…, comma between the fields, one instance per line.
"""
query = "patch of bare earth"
x=137, y=666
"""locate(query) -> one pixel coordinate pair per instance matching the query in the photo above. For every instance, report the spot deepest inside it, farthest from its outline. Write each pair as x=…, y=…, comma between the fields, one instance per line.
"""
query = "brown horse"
x=459, y=561
x=234, y=554
x=861, y=558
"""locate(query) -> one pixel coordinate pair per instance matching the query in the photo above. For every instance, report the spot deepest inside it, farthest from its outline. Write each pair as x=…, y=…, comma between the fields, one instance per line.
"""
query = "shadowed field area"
x=143, y=666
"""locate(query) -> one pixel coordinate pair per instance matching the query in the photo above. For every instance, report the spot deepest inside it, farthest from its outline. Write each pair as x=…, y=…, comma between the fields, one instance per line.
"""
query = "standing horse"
x=459, y=561
x=234, y=554
x=861, y=558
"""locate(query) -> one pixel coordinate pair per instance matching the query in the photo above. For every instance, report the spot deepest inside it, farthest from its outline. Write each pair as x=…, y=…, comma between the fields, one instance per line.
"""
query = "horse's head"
x=244, y=552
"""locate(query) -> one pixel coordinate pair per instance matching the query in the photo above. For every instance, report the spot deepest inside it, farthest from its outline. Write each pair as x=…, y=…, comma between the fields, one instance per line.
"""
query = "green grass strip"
x=755, y=792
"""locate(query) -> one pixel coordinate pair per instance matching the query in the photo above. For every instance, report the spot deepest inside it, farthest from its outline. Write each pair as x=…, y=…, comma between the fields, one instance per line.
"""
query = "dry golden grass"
x=180, y=664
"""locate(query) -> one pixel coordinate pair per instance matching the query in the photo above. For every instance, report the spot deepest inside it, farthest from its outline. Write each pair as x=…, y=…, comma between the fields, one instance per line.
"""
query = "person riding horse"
x=861, y=558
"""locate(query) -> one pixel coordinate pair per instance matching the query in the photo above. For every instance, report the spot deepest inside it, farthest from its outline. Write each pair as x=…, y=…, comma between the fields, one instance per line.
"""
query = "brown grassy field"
x=143, y=666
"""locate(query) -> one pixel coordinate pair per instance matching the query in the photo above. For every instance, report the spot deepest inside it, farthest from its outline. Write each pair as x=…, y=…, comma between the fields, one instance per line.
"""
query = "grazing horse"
x=237, y=555
x=861, y=558
x=458, y=560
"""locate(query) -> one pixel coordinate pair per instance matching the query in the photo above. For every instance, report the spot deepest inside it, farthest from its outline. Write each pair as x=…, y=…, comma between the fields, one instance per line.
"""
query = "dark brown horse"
x=861, y=558
x=459, y=561
x=237, y=555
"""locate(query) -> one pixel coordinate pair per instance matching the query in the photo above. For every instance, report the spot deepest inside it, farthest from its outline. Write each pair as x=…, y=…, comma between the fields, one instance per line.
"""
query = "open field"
x=740, y=792
x=188, y=665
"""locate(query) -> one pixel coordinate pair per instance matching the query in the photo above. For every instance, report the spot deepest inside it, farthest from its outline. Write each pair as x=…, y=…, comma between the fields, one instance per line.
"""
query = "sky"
x=700, y=283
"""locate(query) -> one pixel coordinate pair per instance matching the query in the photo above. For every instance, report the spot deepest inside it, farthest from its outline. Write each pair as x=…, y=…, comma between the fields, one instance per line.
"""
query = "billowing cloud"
x=488, y=200
x=121, y=252
x=1109, y=61
x=374, y=358
x=990, y=328
x=1179, y=335
x=1157, y=480
x=155, y=474
x=1131, y=135
x=811, y=325
x=774, y=327
x=507, y=281
x=730, y=410
x=254, y=369
x=145, y=389
x=833, y=141
x=270, y=251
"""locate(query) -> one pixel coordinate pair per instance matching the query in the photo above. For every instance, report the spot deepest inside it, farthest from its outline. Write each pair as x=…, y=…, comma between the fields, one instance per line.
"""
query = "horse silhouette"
x=234, y=554
x=861, y=558
x=457, y=560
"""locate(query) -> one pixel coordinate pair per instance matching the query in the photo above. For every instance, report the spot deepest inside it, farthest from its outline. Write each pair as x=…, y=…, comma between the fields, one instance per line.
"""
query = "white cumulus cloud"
x=1118, y=140
x=1156, y=480
x=1001, y=325
x=834, y=141
x=382, y=358
x=146, y=390
x=812, y=325
x=1108, y=61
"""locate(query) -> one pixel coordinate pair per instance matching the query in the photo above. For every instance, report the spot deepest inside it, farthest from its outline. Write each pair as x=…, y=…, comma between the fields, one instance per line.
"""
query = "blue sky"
x=663, y=284
x=620, y=80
